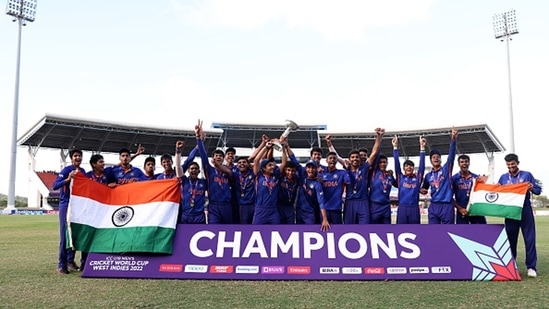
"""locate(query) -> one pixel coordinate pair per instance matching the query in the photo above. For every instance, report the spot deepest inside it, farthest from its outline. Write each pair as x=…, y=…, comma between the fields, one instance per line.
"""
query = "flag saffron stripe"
x=520, y=188
x=134, y=193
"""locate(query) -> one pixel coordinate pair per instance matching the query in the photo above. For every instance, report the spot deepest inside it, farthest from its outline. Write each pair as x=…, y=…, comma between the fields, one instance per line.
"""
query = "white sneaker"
x=532, y=273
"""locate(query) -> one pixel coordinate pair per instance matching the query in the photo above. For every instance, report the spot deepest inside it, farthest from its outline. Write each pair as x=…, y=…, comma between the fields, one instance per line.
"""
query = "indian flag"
x=135, y=217
x=497, y=200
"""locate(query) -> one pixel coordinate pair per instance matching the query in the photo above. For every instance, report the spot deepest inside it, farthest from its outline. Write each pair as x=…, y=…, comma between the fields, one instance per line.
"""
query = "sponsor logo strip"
x=396, y=270
x=190, y=268
x=247, y=269
x=299, y=270
x=418, y=270
x=329, y=270
x=374, y=270
x=221, y=269
x=441, y=269
x=171, y=268
x=351, y=270
x=272, y=269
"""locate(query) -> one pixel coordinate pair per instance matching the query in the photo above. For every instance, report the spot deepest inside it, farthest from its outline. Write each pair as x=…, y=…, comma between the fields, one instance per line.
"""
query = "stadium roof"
x=62, y=132
x=472, y=139
x=249, y=135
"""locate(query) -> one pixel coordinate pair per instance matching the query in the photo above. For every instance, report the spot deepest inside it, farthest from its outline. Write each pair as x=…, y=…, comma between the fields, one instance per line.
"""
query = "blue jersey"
x=219, y=187
x=105, y=179
x=193, y=195
x=164, y=175
x=357, y=189
x=287, y=190
x=267, y=189
x=409, y=186
x=381, y=183
x=333, y=183
x=310, y=196
x=244, y=187
x=64, y=186
x=440, y=181
x=123, y=177
x=462, y=188
x=520, y=177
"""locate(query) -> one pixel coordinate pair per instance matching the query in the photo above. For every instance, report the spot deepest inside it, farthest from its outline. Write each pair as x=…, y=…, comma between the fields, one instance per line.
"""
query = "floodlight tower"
x=505, y=25
x=23, y=11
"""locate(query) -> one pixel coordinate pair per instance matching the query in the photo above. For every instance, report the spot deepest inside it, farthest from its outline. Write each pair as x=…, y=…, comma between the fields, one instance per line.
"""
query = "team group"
x=256, y=190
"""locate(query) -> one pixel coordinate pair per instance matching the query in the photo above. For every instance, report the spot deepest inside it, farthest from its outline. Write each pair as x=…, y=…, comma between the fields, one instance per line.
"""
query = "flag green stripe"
x=146, y=239
x=495, y=210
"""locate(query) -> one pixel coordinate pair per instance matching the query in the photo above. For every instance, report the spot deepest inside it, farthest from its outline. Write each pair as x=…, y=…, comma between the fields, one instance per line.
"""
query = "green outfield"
x=28, y=258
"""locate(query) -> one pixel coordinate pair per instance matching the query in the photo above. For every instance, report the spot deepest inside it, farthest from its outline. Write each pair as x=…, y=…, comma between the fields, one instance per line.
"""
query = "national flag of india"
x=135, y=217
x=504, y=201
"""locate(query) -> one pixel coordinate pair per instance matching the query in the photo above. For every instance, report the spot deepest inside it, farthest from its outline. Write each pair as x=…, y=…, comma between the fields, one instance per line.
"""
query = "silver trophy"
x=290, y=127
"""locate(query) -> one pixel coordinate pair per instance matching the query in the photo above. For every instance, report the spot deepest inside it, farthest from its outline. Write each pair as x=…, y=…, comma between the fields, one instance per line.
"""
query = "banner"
x=496, y=200
x=303, y=252
x=135, y=217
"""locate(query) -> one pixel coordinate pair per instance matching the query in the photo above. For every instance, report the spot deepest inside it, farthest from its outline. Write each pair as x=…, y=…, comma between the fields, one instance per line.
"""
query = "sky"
x=351, y=65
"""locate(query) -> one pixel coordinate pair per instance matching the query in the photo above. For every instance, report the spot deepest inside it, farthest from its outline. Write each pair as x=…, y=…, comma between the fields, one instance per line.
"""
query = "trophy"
x=290, y=127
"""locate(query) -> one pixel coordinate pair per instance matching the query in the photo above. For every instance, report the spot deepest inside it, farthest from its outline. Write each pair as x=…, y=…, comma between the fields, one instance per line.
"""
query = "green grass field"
x=28, y=258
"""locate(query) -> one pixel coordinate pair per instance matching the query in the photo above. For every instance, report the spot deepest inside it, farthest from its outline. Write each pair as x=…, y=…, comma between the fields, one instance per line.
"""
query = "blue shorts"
x=307, y=216
x=334, y=216
x=287, y=214
x=470, y=219
x=193, y=219
x=356, y=212
x=441, y=213
x=220, y=214
x=380, y=213
x=246, y=213
x=408, y=215
x=266, y=215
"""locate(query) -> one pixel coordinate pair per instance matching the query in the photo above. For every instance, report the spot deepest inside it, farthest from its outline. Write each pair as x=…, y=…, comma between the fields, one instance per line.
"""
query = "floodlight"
x=22, y=11
x=505, y=24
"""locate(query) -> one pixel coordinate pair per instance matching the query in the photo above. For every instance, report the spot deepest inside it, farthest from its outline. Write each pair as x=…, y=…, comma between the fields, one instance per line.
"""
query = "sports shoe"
x=62, y=271
x=532, y=273
x=73, y=267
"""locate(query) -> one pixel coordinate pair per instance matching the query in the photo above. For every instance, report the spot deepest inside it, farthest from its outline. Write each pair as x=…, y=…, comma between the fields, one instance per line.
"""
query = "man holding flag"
x=526, y=223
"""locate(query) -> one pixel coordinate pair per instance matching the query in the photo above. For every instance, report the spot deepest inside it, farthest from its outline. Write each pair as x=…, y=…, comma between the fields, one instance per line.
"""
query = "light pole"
x=22, y=11
x=505, y=25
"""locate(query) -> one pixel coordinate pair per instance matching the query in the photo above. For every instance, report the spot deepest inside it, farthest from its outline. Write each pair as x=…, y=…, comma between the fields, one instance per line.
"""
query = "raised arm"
x=260, y=156
x=332, y=149
x=177, y=160
x=190, y=158
x=264, y=140
x=140, y=150
x=377, y=145
x=398, y=170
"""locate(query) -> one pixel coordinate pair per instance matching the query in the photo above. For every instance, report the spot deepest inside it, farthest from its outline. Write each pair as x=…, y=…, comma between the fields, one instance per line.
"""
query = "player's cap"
x=433, y=152
x=265, y=161
x=311, y=162
x=409, y=162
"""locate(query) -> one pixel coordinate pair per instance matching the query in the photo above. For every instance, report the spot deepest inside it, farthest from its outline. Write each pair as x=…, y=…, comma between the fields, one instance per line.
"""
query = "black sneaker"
x=62, y=271
x=72, y=267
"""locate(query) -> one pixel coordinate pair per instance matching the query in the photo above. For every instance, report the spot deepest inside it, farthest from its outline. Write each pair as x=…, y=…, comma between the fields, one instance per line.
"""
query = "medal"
x=242, y=194
x=193, y=190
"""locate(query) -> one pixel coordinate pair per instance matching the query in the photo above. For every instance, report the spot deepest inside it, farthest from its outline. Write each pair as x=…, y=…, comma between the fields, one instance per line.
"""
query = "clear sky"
x=352, y=65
